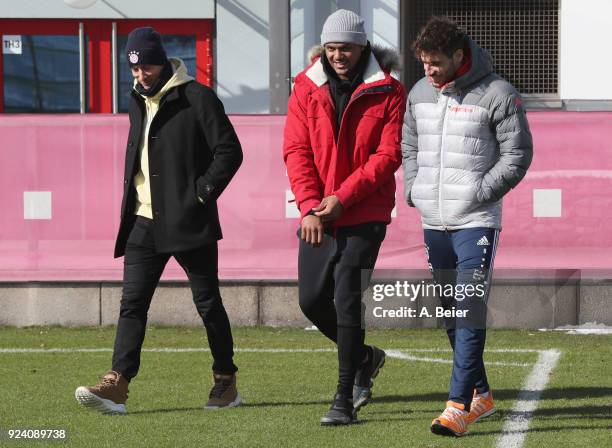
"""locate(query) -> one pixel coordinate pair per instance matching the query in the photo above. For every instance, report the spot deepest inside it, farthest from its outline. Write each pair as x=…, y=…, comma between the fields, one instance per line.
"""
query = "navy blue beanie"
x=144, y=46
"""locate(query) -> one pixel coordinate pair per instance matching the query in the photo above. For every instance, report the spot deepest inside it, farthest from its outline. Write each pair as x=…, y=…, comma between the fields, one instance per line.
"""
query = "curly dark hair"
x=439, y=35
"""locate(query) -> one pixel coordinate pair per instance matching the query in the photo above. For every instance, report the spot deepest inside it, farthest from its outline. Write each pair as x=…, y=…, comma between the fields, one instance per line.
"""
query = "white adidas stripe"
x=491, y=263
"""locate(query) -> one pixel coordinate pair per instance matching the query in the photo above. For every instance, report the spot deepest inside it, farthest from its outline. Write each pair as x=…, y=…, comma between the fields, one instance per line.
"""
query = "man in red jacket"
x=342, y=148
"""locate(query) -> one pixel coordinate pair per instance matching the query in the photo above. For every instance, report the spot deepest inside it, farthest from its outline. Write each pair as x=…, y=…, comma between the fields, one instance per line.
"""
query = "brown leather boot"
x=224, y=393
x=108, y=396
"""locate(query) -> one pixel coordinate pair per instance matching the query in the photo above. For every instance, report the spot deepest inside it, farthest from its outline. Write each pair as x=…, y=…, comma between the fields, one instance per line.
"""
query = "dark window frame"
x=99, y=52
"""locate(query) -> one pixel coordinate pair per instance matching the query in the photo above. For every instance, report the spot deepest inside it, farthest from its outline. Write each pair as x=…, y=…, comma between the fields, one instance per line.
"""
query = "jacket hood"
x=482, y=65
x=388, y=58
x=382, y=60
x=179, y=77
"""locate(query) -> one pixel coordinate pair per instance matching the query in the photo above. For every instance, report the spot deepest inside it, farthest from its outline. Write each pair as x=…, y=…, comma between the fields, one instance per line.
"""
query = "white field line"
x=514, y=430
x=246, y=350
x=400, y=355
x=166, y=350
x=393, y=353
x=517, y=424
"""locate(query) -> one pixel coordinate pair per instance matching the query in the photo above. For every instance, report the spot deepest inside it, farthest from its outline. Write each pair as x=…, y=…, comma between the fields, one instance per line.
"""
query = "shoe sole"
x=237, y=402
x=365, y=400
x=338, y=422
x=86, y=398
x=485, y=415
x=441, y=430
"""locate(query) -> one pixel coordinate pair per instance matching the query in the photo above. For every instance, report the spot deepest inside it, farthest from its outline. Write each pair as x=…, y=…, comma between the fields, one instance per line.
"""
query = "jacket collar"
x=480, y=66
x=168, y=92
x=172, y=95
x=373, y=72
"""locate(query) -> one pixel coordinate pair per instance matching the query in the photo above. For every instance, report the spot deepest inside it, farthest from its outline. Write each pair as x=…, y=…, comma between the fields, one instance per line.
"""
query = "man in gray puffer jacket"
x=465, y=144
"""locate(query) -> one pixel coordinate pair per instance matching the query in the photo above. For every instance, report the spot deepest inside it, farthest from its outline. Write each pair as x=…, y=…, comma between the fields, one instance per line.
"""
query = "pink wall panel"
x=13, y=168
x=79, y=159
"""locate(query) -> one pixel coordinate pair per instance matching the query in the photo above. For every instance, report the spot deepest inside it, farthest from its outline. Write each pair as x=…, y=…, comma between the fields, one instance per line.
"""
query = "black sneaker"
x=362, y=390
x=341, y=412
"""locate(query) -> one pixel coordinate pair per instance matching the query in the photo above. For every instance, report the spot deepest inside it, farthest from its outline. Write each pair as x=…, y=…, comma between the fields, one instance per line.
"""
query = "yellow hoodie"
x=141, y=179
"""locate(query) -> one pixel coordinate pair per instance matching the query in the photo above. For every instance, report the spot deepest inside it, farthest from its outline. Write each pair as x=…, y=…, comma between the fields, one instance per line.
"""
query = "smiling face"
x=146, y=75
x=343, y=57
x=439, y=68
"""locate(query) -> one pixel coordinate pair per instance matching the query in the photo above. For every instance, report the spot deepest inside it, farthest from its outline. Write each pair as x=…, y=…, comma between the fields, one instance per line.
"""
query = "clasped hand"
x=328, y=210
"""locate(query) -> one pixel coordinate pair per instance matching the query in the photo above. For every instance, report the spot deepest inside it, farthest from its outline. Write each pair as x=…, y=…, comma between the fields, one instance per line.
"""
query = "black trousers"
x=332, y=279
x=142, y=270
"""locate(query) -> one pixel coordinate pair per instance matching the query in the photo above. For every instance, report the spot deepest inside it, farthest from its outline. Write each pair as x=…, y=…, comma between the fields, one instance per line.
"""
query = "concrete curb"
x=512, y=304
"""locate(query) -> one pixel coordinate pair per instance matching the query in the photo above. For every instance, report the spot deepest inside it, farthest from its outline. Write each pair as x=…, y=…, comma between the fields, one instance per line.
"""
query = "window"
x=44, y=76
x=522, y=37
x=39, y=72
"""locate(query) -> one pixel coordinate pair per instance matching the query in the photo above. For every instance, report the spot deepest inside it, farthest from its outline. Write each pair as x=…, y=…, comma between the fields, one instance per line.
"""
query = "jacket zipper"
x=446, y=106
x=385, y=88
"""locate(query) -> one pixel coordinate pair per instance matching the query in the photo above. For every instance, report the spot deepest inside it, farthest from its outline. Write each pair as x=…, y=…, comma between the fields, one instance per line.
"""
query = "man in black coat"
x=182, y=152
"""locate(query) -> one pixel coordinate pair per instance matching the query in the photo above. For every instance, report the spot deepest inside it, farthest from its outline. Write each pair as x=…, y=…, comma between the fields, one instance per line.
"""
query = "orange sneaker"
x=481, y=407
x=452, y=422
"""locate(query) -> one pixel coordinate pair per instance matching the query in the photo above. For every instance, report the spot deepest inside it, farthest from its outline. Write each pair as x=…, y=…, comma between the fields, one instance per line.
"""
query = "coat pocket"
x=369, y=128
x=375, y=112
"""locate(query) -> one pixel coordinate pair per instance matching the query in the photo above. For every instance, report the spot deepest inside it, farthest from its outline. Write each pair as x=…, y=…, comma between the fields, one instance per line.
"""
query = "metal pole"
x=115, y=70
x=215, y=60
x=279, y=43
x=82, y=74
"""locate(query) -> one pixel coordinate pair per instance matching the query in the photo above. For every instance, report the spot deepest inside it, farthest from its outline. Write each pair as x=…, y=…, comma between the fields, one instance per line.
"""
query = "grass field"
x=287, y=392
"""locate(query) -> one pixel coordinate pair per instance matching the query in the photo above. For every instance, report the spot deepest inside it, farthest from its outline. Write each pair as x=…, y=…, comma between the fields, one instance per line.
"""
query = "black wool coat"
x=193, y=153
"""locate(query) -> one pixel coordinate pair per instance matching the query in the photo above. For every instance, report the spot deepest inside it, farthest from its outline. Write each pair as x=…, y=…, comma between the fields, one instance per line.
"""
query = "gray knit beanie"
x=344, y=26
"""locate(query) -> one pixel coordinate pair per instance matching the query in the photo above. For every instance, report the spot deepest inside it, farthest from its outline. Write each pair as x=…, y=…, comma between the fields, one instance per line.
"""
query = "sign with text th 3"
x=11, y=44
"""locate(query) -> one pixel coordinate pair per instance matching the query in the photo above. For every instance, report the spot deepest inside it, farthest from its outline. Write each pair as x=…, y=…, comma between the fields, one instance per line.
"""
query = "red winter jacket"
x=356, y=162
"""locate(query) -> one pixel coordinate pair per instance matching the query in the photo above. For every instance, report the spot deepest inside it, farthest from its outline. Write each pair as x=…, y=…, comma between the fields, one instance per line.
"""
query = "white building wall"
x=586, y=61
x=243, y=55
x=381, y=21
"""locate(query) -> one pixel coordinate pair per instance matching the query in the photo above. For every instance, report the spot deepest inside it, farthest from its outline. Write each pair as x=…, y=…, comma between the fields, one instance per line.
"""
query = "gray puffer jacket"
x=464, y=147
